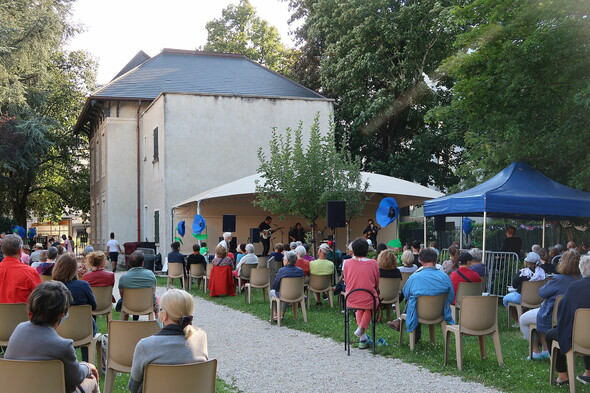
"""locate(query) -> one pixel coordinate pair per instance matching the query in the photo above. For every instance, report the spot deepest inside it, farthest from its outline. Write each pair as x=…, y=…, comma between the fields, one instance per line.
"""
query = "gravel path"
x=258, y=357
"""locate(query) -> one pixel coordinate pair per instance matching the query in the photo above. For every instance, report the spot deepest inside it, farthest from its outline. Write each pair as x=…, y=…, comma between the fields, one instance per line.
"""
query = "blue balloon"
x=467, y=225
x=199, y=223
x=180, y=228
x=22, y=232
x=387, y=212
x=32, y=233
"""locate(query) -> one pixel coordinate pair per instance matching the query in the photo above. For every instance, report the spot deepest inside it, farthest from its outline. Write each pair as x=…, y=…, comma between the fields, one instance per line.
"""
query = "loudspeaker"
x=439, y=223
x=229, y=223
x=418, y=234
x=335, y=215
x=254, y=235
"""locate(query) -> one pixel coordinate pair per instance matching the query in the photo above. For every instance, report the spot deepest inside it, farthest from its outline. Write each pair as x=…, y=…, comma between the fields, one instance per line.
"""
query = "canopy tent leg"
x=483, y=242
x=425, y=232
x=543, y=239
x=461, y=234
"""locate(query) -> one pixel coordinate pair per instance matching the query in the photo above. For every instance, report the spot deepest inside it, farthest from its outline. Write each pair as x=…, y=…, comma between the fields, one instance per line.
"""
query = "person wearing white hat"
x=531, y=272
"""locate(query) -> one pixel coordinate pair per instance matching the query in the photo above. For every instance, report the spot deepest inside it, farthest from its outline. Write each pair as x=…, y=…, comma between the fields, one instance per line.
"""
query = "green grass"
x=516, y=375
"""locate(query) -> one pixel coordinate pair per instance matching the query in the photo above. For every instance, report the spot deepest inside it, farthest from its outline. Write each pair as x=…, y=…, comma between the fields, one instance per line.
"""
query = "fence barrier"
x=502, y=267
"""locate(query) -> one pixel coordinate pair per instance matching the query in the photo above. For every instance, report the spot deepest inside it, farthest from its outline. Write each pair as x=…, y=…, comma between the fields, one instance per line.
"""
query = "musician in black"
x=265, y=235
x=370, y=232
x=297, y=233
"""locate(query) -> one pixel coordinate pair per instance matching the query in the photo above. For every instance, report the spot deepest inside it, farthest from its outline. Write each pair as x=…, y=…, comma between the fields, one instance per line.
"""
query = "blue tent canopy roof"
x=518, y=191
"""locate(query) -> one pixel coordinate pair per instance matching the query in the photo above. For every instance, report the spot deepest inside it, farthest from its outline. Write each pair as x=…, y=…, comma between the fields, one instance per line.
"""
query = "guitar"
x=267, y=233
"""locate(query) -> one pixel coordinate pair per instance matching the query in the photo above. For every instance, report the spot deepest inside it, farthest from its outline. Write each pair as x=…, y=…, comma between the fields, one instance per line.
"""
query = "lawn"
x=516, y=375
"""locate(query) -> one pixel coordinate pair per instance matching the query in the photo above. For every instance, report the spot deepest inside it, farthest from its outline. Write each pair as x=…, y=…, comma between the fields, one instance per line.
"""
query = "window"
x=156, y=226
x=156, y=154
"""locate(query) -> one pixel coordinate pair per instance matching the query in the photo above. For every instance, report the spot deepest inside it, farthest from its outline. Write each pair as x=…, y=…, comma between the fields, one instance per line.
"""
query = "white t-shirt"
x=113, y=245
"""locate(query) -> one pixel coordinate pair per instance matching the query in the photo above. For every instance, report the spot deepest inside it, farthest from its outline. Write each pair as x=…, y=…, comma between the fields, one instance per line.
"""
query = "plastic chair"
x=484, y=283
x=138, y=301
x=479, y=318
x=430, y=311
x=175, y=270
x=104, y=302
x=78, y=327
x=389, y=294
x=347, y=311
x=123, y=337
x=25, y=376
x=533, y=326
x=196, y=271
x=464, y=289
x=193, y=377
x=320, y=284
x=207, y=277
x=291, y=291
x=529, y=298
x=259, y=278
x=580, y=346
x=45, y=277
x=245, y=274
x=405, y=277
x=11, y=314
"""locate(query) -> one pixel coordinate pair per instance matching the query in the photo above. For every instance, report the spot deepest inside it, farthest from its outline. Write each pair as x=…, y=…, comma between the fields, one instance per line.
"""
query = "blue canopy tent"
x=518, y=191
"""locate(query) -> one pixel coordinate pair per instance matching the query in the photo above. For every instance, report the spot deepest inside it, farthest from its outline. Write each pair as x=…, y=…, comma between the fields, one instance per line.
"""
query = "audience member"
x=476, y=263
x=44, y=268
x=380, y=247
x=249, y=259
x=408, y=262
x=175, y=256
x=321, y=267
x=302, y=262
x=416, y=251
x=432, y=245
x=571, y=245
x=289, y=270
x=179, y=342
x=221, y=278
x=577, y=296
x=17, y=280
x=278, y=254
x=308, y=257
x=451, y=264
x=137, y=277
x=362, y=272
x=24, y=256
x=36, y=254
x=96, y=275
x=546, y=264
x=387, y=262
x=531, y=272
x=568, y=272
x=463, y=274
x=196, y=258
x=241, y=251
x=37, y=339
x=227, y=236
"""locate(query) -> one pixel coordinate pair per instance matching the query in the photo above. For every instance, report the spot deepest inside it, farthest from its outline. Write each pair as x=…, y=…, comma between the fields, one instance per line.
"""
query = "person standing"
x=113, y=248
x=265, y=235
x=370, y=232
x=512, y=243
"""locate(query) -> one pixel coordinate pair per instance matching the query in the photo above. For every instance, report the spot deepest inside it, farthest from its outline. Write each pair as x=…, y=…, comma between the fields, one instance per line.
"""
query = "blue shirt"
x=286, y=271
x=427, y=282
x=175, y=257
x=81, y=293
x=549, y=292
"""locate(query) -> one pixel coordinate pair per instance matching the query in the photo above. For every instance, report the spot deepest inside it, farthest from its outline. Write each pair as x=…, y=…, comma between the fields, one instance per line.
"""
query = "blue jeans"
x=513, y=297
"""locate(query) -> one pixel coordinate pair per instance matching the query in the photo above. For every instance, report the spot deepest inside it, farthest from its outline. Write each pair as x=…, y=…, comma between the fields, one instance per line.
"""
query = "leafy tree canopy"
x=300, y=180
x=43, y=167
x=522, y=88
x=241, y=30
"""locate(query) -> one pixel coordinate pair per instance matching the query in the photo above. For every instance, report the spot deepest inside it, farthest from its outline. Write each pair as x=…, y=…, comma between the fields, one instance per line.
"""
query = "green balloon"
x=395, y=243
x=200, y=236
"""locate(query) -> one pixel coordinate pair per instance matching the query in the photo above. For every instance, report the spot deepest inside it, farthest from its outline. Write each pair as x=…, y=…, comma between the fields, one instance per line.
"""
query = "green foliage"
x=43, y=167
x=300, y=181
x=373, y=57
x=240, y=30
x=522, y=88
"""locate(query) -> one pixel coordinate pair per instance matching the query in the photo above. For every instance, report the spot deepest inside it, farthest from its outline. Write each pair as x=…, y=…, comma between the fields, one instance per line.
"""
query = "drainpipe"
x=172, y=225
x=138, y=173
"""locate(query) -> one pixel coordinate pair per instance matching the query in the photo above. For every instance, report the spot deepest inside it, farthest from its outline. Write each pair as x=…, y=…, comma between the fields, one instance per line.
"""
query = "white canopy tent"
x=236, y=198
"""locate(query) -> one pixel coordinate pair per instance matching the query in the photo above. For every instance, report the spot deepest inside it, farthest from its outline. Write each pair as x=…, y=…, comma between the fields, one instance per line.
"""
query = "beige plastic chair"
x=207, y=277
x=430, y=311
x=479, y=317
x=45, y=277
x=533, y=326
x=245, y=271
x=175, y=270
x=78, y=327
x=197, y=271
x=25, y=376
x=259, y=278
x=320, y=284
x=104, y=302
x=484, y=283
x=138, y=301
x=389, y=294
x=405, y=277
x=194, y=377
x=464, y=289
x=11, y=314
x=123, y=337
x=580, y=346
x=291, y=291
x=529, y=298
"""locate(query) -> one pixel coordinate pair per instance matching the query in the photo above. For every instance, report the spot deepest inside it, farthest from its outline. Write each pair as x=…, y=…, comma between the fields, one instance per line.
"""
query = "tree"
x=240, y=30
x=43, y=167
x=522, y=88
x=300, y=181
x=375, y=58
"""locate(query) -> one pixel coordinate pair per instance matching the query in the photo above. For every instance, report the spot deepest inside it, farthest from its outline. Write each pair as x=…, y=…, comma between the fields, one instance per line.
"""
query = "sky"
x=115, y=30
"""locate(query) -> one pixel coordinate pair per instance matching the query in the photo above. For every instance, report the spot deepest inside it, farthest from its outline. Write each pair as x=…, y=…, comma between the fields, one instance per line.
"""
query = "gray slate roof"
x=201, y=72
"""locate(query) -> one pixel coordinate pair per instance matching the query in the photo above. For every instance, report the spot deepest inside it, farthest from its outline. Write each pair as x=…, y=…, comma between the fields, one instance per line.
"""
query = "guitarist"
x=265, y=230
x=297, y=233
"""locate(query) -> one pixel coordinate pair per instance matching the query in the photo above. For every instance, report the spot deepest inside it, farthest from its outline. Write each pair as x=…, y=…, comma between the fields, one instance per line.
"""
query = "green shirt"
x=137, y=277
x=321, y=267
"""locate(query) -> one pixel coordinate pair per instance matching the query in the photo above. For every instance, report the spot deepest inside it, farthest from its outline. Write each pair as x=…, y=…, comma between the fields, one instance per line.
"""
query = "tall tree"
x=375, y=58
x=300, y=180
x=241, y=30
x=43, y=167
x=523, y=88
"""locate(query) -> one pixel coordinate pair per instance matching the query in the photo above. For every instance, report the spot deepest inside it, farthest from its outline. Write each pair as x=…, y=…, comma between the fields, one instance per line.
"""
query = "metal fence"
x=502, y=266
